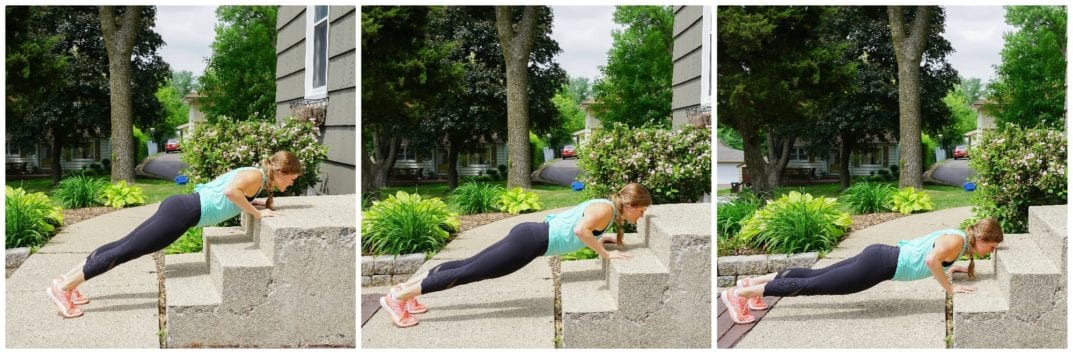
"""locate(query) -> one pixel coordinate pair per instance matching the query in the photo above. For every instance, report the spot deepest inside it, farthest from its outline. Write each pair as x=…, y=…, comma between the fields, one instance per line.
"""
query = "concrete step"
x=220, y=235
x=241, y=273
x=678, y=233
x=192, y=299
x=1047, y=225
x=637, y=285
x=588, y=311
x=1019, y=300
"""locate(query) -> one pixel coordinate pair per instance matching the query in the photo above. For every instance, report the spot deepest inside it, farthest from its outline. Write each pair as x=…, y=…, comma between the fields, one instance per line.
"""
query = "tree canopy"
x=636, y=85
x=1030, y=88
x=239, y=81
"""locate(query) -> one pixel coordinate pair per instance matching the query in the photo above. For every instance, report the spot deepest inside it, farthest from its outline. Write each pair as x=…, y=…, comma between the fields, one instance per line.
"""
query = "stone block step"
x=1047, y=225
x=638, y=285
x=211, y=236
x=241, y=273
x=1023, y=271
x=188, y=284
x=677, y=227
x=977, y=315
x=588, y=311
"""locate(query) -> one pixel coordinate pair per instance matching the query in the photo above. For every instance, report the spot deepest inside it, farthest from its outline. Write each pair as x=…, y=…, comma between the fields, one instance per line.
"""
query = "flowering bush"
x=217, y=148
x=674, y=165
x=1016, y=168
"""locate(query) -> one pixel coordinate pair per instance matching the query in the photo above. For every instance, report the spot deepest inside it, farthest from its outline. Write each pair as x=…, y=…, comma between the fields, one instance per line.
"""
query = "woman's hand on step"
x=268, y=213
x=615, y=254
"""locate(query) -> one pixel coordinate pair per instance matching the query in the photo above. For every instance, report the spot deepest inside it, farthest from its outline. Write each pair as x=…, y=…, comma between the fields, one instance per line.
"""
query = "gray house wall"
x=687, y=57
x=338, y=171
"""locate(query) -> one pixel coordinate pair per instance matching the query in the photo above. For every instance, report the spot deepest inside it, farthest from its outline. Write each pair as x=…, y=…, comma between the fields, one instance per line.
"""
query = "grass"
x=551, y=196
x=942, y=196
x=156, y=190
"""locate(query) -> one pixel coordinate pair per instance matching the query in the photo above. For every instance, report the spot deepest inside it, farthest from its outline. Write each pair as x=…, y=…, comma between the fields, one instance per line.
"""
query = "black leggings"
x=176, y=214
x=874, y=265
x=524, y=243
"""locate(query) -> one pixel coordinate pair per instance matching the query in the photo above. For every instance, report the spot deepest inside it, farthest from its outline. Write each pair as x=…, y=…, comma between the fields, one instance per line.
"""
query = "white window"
x=706, y=59
x=798, y=154
x=406, y=153
x=316, y=69
x=481, y=157
x=82, y=150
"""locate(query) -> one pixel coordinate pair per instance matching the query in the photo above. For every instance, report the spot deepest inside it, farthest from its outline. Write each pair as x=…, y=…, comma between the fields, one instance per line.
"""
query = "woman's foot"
x=756, y=303
x=739, y=311
x=397, y=310
x=76, y=296
x=411, y=305
x=62, y=300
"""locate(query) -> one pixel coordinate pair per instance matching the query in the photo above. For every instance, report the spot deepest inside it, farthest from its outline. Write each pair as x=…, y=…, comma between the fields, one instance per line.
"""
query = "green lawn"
x=942, y=196
x=156, y=190
x=551, y=196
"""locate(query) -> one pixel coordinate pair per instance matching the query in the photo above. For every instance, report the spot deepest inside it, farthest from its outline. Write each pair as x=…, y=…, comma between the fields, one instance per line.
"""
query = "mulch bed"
x=74, y=216
x=474, y=221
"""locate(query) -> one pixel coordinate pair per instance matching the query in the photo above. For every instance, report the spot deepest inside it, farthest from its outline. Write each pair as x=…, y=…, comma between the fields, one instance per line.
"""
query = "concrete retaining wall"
x=732, y=267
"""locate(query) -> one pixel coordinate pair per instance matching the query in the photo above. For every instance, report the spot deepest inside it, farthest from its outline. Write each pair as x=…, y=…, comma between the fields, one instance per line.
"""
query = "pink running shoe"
x=412, y=305
x=397, y=310
x=739, y=312
x=62, y=299
x=756, y=303
x=76, y=296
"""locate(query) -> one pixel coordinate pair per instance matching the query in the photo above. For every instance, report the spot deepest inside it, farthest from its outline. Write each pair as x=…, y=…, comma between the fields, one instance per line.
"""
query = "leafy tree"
x=636, y=84
x=573, y=117
x=516, y=37
x=184, y=82
x=239, y=81
x=730, y=137
x=578, y=88
x=959, y=103
x=58, y=80
x=470, y=114
x=398, y=84
x=1029, y=90
x=777, y=70
x=972, y=88
x=176, y=111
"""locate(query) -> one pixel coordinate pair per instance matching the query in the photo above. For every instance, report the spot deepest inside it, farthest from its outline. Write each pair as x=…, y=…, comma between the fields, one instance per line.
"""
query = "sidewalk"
x=122, y=312
x=514, y=311
x=889, y=315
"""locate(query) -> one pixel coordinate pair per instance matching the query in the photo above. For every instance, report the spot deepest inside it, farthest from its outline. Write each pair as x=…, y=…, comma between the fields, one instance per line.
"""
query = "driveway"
x=953, y=172
x=166, y=165
x=561, y=172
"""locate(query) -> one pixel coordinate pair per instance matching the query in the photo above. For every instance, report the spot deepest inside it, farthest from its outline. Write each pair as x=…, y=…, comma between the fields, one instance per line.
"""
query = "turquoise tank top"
x=215, y=207
x=911, y=255
x=561, y=238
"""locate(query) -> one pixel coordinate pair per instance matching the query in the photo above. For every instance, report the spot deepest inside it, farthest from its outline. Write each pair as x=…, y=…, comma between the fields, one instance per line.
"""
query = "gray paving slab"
x=889, y=315
x=514, y=311
x=123, y=308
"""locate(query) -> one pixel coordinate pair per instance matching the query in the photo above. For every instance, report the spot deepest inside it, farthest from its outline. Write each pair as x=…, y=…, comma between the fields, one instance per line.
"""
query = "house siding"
x=338, y=171
x=822, y=165
x=686, y=58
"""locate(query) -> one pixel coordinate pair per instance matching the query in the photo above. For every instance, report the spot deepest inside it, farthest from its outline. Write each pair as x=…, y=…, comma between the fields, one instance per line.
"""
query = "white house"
x=729, y=162
x=984, y=121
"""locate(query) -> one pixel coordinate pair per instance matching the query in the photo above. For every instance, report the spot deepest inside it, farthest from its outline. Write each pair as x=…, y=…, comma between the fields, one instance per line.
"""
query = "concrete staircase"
x=1020, y=298
x=659, y=299
x=284, y=281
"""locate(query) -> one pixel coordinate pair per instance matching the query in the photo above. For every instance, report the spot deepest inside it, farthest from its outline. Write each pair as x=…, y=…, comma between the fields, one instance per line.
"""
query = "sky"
x=188, y=32
x=584, y=35
x=975, y=33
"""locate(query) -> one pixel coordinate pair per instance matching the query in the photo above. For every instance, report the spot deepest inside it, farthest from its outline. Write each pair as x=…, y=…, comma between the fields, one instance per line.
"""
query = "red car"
x=569, y=151
x=172, y=145
x=961, y=152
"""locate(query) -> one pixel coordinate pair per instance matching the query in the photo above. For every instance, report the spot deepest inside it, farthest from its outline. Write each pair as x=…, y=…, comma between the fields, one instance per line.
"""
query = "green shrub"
x=1016, y=168
x=79, y=191
x=729, y=216
x=189, y=242
x=406, y=223
x=868, y=197
x=517, y=201
x=31, y=218
x=581, y=254
x=216, y=148
x=796, y=223
x=120, y=195
x=674, y=165
x=536, y=151
x=908, y=200
x=476, y=198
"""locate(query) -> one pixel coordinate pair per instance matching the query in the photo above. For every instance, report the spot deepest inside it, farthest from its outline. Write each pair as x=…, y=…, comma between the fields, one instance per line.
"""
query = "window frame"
x=317, y=92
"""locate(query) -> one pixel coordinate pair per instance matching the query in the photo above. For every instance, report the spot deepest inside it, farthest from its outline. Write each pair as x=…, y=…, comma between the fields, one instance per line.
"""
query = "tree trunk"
x=908, y=47
x=119, y=40
x=385, y=149
x=452, y=166
x=516, y=41
x=57, y=165
x=844, y=150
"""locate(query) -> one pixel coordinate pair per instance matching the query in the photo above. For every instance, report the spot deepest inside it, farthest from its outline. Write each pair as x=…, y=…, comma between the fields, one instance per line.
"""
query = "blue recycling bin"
x=577, y=186
x=969, y=186
x=181, y=180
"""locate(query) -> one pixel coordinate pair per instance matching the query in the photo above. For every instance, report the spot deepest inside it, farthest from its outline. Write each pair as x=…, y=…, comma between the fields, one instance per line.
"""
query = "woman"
x=928, y=256
x=211, y=203
x=579, y=227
